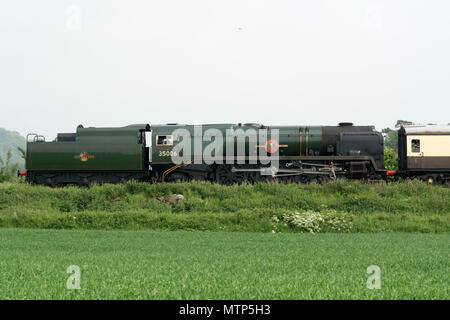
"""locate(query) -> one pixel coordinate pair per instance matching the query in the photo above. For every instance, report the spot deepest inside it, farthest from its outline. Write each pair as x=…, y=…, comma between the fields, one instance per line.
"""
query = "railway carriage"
x=424, y=152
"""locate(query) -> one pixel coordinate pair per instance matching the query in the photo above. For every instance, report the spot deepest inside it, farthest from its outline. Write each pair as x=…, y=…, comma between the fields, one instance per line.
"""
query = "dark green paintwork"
x=106, y=148
x=294, y=137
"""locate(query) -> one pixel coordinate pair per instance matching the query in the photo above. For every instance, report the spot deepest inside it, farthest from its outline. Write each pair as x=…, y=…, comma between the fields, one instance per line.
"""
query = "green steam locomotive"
x=223, y=153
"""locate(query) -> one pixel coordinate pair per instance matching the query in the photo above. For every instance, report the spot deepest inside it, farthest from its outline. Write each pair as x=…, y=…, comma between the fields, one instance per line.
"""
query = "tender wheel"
x=51, y=183
x=84, y=182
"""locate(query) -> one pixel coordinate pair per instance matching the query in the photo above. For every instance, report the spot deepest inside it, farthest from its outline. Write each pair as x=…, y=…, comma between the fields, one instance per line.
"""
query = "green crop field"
x=221, y=265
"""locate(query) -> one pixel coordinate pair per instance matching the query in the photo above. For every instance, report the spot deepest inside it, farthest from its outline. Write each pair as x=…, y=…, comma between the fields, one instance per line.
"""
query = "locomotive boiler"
x=304, y=153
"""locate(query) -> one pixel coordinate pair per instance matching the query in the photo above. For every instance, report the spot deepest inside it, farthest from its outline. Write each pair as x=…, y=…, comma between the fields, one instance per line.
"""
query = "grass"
x=274, y=256
x=410, y=206
x=221, y=265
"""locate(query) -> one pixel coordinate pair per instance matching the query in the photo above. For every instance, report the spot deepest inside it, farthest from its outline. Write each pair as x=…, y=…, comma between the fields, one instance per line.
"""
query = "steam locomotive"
x=232, y=153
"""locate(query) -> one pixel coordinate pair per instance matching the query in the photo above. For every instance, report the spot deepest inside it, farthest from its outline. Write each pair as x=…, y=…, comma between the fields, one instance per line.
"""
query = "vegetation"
x=390, y=159
x=355, y=206
x=8, y=170
x=12, y=142
x=12, y=154
x=390, y=140
x=221, y=265
x=391, y=136
x=277, y=262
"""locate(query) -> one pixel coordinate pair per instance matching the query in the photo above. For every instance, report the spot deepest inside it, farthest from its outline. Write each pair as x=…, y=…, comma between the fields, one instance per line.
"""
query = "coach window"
x=164, y=140
x=415, y=145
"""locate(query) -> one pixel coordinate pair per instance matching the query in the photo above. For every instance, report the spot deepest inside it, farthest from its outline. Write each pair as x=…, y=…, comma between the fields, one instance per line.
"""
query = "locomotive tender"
x=89, y=155
x=303, y=154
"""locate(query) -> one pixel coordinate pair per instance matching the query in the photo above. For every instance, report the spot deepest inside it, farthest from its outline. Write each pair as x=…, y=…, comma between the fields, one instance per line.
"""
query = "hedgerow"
x=396, y=206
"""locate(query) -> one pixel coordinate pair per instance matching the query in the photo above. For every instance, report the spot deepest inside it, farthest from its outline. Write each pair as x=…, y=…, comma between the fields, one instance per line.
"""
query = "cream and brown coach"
x=424, y=151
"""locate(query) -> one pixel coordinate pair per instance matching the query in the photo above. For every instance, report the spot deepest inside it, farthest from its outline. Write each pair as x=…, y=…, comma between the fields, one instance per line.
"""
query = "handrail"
x=36, y=137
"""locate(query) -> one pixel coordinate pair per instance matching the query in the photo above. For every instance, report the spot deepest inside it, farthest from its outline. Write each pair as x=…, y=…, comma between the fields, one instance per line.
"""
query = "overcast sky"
x=113, y=63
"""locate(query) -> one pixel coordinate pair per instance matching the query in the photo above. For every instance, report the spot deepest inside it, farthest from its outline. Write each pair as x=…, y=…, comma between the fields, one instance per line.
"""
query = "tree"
x=22, y=152
x=10, y=140
x=403, y=123
x=390, y=159
x=390, y=139
x=391, y=135
x=8, y=170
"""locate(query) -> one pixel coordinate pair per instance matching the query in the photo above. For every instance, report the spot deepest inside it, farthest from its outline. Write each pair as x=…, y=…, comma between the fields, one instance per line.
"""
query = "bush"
x=313, y=222
x=395, y=206
x=390, y=159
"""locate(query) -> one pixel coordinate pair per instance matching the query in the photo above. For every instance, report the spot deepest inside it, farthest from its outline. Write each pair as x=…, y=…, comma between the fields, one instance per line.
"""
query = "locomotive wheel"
x=256, y=176
x=225, y=176
x=322, y=179
x=51, y=183
x=302, y=179
x=241, y=177
x=253, y=176
x=177, y=177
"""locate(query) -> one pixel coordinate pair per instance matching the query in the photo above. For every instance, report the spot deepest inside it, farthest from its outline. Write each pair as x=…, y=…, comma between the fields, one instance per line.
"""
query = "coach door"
x=414, y=152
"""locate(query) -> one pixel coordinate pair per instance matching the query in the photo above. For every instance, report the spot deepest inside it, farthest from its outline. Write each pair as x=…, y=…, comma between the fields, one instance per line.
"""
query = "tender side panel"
x=85, y=177
x=74, y=156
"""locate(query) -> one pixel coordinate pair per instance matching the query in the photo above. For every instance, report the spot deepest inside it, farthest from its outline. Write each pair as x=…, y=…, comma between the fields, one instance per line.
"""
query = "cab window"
x=164, y=140
x=415, y=145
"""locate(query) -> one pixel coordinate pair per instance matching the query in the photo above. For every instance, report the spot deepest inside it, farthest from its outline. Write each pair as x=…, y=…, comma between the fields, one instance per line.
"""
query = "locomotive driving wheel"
x=225, y=176
x=177, y=177
x=257, y=175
